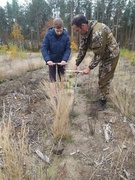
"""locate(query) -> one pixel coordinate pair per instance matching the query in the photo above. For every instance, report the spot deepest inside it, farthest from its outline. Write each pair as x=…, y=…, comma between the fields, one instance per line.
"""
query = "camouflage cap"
x=57, y=23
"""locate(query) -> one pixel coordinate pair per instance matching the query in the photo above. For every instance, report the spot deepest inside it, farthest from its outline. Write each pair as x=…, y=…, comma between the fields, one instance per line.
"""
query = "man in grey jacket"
x=98, y=38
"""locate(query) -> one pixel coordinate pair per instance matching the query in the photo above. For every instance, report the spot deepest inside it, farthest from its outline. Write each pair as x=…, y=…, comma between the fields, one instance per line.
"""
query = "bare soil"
x=86, y=155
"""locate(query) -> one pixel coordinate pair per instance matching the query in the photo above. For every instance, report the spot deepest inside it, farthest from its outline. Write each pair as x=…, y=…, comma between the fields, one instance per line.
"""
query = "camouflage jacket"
x=101, y=41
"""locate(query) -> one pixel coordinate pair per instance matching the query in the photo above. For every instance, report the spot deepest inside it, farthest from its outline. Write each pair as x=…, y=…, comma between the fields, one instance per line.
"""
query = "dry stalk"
x=122, y=92
x=14, y=148
x=125, y=156
x=61, y=125
x=101, y=163
x=61, y=110
x=17, y=162
x=119, y=163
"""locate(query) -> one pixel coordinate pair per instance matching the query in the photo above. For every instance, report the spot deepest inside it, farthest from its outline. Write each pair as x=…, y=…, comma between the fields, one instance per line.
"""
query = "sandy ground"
x=86, y=155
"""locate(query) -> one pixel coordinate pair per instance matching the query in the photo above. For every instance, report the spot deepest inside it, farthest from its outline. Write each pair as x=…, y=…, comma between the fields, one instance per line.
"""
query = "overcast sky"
x=4, y=2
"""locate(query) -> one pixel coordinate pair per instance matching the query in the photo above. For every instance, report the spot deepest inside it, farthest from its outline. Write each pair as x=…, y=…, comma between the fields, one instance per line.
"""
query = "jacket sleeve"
x=82, y=50
x=45, y=48
x=99, y=41
x=67, y=50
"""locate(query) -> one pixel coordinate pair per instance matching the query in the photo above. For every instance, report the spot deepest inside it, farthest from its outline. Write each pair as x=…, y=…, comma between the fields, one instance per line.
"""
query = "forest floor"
x=86, y=155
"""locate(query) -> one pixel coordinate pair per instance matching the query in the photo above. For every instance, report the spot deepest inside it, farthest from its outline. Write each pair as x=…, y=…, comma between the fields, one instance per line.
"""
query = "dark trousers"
x=54, y=70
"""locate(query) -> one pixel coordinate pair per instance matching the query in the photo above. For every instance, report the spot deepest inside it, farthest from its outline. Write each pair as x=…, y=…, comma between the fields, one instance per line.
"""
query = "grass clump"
x=17, y=162
x=122, y=94
x=61, y=109
x=13, y=150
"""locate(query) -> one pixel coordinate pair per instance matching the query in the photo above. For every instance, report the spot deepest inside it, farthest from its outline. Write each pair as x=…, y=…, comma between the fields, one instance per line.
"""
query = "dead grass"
x=61, y=109
x=122, y=90
x=16, y=160
x=14, y=148
x=13, y=68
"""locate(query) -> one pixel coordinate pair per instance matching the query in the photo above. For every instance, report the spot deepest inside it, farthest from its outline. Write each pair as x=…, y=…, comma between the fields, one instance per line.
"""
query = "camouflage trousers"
x=106, y=73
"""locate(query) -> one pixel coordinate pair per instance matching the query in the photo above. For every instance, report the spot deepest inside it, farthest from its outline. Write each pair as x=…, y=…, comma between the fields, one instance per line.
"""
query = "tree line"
x=35, y=16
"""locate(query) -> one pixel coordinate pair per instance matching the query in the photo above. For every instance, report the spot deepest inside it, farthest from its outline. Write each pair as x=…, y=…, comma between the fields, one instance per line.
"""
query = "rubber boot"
x=102, y=105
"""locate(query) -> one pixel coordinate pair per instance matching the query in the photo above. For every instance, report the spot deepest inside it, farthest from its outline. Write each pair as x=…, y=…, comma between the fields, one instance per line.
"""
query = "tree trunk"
x=103, y=7
x=71, y=12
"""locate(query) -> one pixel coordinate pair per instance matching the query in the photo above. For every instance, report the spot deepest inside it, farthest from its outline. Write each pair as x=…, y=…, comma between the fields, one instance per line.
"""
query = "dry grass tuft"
x=61, y=125
x=10, y=69
x=16, y=160
x=13, y=150
x=61, y=109
x=122, y=94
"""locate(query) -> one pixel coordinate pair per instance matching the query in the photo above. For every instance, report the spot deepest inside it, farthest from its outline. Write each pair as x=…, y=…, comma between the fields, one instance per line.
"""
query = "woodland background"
x=27, y=24
x=30, y=122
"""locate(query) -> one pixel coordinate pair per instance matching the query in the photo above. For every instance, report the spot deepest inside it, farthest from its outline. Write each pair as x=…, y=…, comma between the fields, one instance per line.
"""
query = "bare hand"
x=63, y=63
x=86, y=71
x=50, y=63
x=76, y=67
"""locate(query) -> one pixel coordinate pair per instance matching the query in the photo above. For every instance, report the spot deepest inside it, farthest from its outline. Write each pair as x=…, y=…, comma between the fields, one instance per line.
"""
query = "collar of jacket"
x=91, y=24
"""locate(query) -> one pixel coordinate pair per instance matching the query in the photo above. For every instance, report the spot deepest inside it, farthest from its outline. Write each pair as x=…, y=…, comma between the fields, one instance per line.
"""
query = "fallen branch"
x=107, y=132
x=42, y=156
x=72, y=153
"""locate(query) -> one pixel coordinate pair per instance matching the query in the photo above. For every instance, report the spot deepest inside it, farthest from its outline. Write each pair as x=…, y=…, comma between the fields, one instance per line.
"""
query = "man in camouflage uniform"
x=98, y=38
